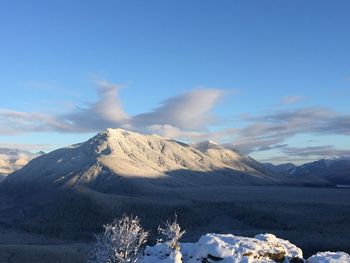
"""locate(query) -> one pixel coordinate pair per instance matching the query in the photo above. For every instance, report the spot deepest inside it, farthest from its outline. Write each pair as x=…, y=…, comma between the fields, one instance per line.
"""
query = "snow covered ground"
x=226, y=248
x=329, y=257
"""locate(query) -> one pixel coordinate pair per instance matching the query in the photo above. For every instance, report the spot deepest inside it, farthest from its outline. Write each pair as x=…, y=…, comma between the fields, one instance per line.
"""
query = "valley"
x=312, y=218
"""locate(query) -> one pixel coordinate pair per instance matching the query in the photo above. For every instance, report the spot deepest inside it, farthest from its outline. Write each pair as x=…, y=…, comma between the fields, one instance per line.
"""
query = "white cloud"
x=106, y=112
x=184, y=115
x=275, y=128
x=323, y=151
x=26, y=146
x=15, y=122
x=189, y=111
x=306, y=154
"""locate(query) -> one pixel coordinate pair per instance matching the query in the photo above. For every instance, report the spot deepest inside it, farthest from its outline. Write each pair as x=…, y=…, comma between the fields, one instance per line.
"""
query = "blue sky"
x=271, y=78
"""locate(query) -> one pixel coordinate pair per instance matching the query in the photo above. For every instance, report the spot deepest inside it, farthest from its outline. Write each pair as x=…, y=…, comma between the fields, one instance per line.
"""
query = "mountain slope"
x=232, y=158
x=116, y=160
x=336, y=171
x=285, y=168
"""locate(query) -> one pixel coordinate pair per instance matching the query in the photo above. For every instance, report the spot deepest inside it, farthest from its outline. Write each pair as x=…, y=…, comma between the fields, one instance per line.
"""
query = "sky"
x=270, y=78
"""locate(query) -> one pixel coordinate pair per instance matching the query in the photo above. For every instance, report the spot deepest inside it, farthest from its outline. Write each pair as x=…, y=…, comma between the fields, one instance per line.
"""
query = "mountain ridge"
x=335, y=170
x=115, y=157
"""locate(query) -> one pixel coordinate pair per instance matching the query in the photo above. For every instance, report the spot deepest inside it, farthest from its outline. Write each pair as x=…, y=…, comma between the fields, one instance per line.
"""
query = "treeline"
x=79, y=217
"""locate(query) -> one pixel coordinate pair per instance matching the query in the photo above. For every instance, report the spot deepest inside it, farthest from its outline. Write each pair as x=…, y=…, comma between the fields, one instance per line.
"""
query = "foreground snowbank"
x=263, y=248
x=329, y=257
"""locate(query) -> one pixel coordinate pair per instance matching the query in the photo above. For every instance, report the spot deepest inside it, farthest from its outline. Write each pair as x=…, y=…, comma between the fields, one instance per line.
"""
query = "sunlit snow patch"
x=329, y=257
x=227, y=249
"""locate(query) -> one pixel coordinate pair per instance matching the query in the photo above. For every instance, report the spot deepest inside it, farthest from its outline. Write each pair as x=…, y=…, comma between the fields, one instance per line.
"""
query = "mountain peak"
x=115, y=134
x=115, y=138
x=116, y=131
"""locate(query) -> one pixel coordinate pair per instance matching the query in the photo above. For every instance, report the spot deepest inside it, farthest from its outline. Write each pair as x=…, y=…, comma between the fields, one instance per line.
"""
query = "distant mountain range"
x=336, y=171
x=285, y=168
x=14, y=159
x=116, y=155
x=117, y=160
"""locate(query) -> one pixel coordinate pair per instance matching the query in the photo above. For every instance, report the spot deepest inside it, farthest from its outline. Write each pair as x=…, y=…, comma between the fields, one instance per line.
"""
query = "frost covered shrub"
x=121, y=242
x=172, y=233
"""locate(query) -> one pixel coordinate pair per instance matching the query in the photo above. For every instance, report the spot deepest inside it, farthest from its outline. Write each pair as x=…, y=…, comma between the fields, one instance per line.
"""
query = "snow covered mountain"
x=13, y=159
x=117, y=160
x=336, y=171
x=285, y=168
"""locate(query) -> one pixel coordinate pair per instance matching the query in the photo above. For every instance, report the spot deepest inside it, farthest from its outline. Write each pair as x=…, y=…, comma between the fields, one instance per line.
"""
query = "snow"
x=160, y=254
x=120, y=153
x=329, y=257
x=226, y=248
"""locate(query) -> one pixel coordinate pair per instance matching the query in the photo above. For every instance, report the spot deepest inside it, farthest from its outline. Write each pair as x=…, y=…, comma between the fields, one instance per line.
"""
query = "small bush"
x=121, y=242
x=172, y=233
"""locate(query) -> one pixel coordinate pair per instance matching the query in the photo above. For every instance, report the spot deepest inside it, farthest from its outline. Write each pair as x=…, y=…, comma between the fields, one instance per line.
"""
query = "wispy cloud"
x=292, y=99
x=16, y=122
x=107, y=111
x=189, y=111
x=183, y=115
x=306, y=154
x=324, y=151
x=271, y=147
x=27, y=146
x=268, y=130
